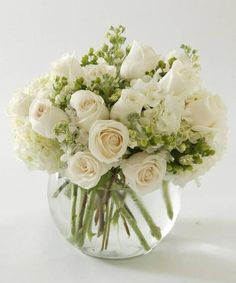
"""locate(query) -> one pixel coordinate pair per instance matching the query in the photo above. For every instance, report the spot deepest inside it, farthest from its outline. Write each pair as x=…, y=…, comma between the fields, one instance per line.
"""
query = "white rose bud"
x=108, y=140
x=207, y=112
x=131, y=101
x=68, y=66
x=140, y=59
x=181, y=79
x=44, y=116
x=89, y=108
x=85, y=170
x=19, y=105
x=143, y=172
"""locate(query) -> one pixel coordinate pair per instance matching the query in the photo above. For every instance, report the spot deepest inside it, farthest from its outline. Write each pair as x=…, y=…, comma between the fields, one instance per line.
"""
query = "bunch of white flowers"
x=125, y=108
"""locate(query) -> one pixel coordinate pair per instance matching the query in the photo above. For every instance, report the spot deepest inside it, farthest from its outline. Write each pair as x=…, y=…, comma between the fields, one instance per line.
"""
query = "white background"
x=202, y=245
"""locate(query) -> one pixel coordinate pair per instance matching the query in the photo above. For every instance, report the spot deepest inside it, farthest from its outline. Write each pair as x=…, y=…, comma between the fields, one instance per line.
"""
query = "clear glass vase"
x=113, y=223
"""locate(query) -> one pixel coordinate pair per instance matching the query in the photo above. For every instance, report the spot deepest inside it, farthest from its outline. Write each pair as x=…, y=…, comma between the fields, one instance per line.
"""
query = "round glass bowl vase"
x=112, y=222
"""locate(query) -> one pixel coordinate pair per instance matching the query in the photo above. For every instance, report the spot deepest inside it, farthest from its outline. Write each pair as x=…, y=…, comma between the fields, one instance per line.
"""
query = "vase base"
x=116, y=254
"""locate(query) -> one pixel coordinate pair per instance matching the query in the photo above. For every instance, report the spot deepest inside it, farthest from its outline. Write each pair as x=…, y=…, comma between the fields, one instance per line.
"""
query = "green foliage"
x=59, y=84
x=109, y=88
x=184, y=153
x=192, y=54
x=112, y=53
x=68, y=138
x=90, y=58
x=193, y=154
x=78, y=85
x=162, y=66
x=148, y=136
x=62, y=90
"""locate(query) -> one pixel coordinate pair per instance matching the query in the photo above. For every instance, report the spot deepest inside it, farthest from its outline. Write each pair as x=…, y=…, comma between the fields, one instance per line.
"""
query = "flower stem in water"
x=87, y=218
x=60, y=189
x=155, y=230
x=73, y=208
x=167, y=199
x=132, y=222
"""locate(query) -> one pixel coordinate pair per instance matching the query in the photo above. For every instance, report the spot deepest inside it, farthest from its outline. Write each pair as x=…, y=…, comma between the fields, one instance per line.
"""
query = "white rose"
x=44, y=116
x=108, y=140
x=91, y=72
x=143, y=172
x=150, y=89
x=207, y=112
x=130, y=101
x=89, y=108
x=85, y=170
x=181, y=79
x=67, y=66
x=19, y=105
x=140, y=59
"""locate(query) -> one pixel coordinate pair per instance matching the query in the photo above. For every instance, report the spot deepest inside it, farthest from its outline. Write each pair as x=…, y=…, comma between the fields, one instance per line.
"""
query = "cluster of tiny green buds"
x=67, y=136
x=108, y=87
x=171, y=61
x=59, y=83
x=113, y=53
x=115, y=35
x=62, y=90
x=90, y=58
x=192, y=54
x=192, y=154
x=186, y=159
x=79, y=84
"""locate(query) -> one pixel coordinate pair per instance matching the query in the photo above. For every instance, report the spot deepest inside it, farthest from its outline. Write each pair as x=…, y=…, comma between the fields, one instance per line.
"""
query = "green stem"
x=87, y=218
x=131, y=222
x=81, y=210
x=101, y=221
x=167, y=199
x=155, y=230
x=126, y=226
x=109, y=225
x=105, y=226
x=73, y=208
x=60, y=189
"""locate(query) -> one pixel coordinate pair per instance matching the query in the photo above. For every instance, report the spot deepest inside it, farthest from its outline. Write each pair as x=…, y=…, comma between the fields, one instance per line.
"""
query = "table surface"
x=202, y=245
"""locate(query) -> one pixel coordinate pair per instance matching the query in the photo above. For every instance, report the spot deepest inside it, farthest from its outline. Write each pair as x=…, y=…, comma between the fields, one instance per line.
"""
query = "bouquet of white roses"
x=122, y=120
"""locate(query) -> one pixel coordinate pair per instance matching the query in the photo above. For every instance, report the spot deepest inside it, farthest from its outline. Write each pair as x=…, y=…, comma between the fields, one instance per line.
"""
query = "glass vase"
x=112, y=221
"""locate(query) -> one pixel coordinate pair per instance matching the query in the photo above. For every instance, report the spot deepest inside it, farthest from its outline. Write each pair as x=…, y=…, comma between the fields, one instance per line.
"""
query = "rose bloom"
x=108, y=140
x=67, y=66
x=141, y=59
x=206, y=112
x=85, y=170
x=143, y=172
x=181, y=79
x=44, y=116
x=131, y=101
x=89, y=108
x=92, y=72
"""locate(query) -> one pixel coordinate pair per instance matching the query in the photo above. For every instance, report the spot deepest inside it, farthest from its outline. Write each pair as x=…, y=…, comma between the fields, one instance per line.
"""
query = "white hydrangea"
x=36, y=151
x=150, y=88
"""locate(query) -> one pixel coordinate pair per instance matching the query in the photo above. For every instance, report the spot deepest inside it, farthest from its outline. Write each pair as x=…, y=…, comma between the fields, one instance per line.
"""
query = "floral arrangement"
x=119, y=118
